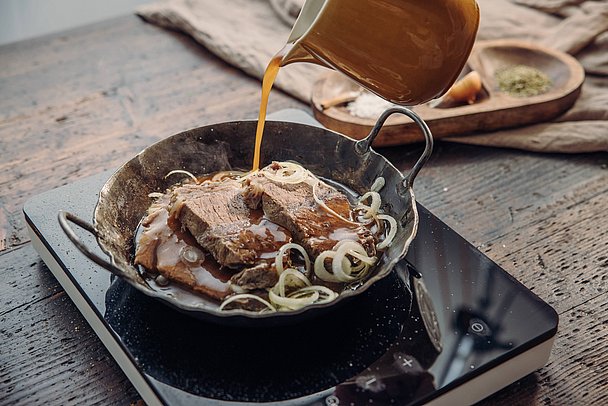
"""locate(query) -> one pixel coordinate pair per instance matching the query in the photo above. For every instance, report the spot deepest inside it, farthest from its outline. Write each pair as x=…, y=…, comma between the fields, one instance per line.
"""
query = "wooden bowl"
x=493, y=109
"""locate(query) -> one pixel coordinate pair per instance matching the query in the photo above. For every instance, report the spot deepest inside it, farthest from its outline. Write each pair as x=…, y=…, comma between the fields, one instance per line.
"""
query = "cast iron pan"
x=123, y=200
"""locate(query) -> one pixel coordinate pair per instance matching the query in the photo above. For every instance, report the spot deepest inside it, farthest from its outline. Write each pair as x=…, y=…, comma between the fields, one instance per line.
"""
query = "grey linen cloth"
x=247, y=33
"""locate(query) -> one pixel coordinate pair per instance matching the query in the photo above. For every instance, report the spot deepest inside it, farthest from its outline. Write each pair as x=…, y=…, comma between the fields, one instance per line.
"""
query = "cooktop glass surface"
x=445, y=315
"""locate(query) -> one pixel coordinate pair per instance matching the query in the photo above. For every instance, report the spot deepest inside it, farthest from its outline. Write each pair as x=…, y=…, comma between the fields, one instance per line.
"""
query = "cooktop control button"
x=406, y=363
x=332, y=400
x=370, y=383
x=479, y=327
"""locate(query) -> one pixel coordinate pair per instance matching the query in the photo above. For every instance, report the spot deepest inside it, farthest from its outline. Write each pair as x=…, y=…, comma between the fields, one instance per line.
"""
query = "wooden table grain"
x=80, y=102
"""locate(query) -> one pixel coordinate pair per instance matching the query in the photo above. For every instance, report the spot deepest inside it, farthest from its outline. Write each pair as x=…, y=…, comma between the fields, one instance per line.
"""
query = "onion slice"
x=348, y=273
x=362, y=257
x=290, y=172
x=323, y=291
x=342, y=268
x=371, y=210
x=327, y=208
x=320, y=269
x=246, y=296
x=278, y=262
x=191, y=255
x=378, y=184
x=391, y=232
x=227, y=174
x=183, y=173
x=338, y=268
x=283, y=280
x=292, y=303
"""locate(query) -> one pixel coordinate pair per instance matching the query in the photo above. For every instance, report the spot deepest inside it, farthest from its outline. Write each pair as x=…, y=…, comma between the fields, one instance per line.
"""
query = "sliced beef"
x=155, y=230
x=158, y=250
x=217, y=215
x=146, y=251
x=293, y=207
x=205, y=279
x=225, y=219
x=252, y=193
x=261, y=276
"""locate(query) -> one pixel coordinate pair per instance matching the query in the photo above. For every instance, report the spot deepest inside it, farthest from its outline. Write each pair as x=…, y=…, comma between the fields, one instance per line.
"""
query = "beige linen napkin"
x=246, y=34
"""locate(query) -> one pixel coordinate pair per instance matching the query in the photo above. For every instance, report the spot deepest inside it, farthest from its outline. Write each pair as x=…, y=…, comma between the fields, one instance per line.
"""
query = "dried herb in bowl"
x=522, y=81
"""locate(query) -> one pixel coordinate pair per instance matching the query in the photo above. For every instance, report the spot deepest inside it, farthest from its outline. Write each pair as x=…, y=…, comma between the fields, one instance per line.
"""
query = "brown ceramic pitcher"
x=406, y=51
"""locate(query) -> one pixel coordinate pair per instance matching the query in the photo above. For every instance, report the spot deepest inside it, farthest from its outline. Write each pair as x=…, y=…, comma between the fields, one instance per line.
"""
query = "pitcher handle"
x=64, y=219
x=363, y=146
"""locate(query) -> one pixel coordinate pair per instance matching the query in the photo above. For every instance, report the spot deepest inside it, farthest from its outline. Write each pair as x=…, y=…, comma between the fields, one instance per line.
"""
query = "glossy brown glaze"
x=160, y=247
x=313, y=227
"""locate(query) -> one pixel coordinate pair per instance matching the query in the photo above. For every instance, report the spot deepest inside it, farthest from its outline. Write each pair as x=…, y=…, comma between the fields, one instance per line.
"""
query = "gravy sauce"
x=160, y=246
x=269, y=77
x=166, y=246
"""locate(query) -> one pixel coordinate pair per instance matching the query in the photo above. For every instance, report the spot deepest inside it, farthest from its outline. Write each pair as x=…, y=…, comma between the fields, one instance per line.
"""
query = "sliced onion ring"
x=326, y=207
x=292, y=303
x=298, y=173
x=191, y=255
x=283, y=280
x=246, y=296
x=328, y=293
x=391, y=232
x=362, y=257
x=378, y=184
x=278, y=262
x=227, y=174
x=320, y=269
x=182, y=172
x=345, y=273
x=374, y=207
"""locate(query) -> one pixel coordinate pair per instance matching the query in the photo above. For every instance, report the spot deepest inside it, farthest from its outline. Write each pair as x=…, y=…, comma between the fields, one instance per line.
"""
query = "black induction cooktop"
x=448, y=326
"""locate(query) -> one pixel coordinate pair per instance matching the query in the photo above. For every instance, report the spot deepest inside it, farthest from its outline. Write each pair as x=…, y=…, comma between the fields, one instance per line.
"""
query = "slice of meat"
x=159, y=249
x=252, y=193
x=148, y=243
x=217, y=215
x=206, y=278
x=294, y=207
x=155, y=230
x=261, y=276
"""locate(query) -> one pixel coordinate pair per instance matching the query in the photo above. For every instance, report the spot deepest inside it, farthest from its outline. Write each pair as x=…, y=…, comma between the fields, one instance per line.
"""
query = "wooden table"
x=77, y=103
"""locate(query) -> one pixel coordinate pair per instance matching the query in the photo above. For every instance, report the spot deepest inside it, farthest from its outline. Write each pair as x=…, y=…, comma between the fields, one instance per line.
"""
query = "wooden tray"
x=493, y=109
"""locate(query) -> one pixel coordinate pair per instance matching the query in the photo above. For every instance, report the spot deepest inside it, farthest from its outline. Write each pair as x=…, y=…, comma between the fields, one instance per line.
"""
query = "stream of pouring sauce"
x=269, y=76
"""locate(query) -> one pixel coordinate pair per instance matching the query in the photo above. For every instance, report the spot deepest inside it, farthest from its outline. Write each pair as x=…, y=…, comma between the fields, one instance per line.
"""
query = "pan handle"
x=364, y=146
x=64, y=219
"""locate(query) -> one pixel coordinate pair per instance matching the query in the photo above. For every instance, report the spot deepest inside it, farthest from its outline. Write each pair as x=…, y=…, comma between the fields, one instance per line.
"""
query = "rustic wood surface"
x=83, y=101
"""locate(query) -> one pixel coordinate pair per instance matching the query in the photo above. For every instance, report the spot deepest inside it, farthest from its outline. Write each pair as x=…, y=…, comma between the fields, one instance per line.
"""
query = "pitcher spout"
x=294, y=51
